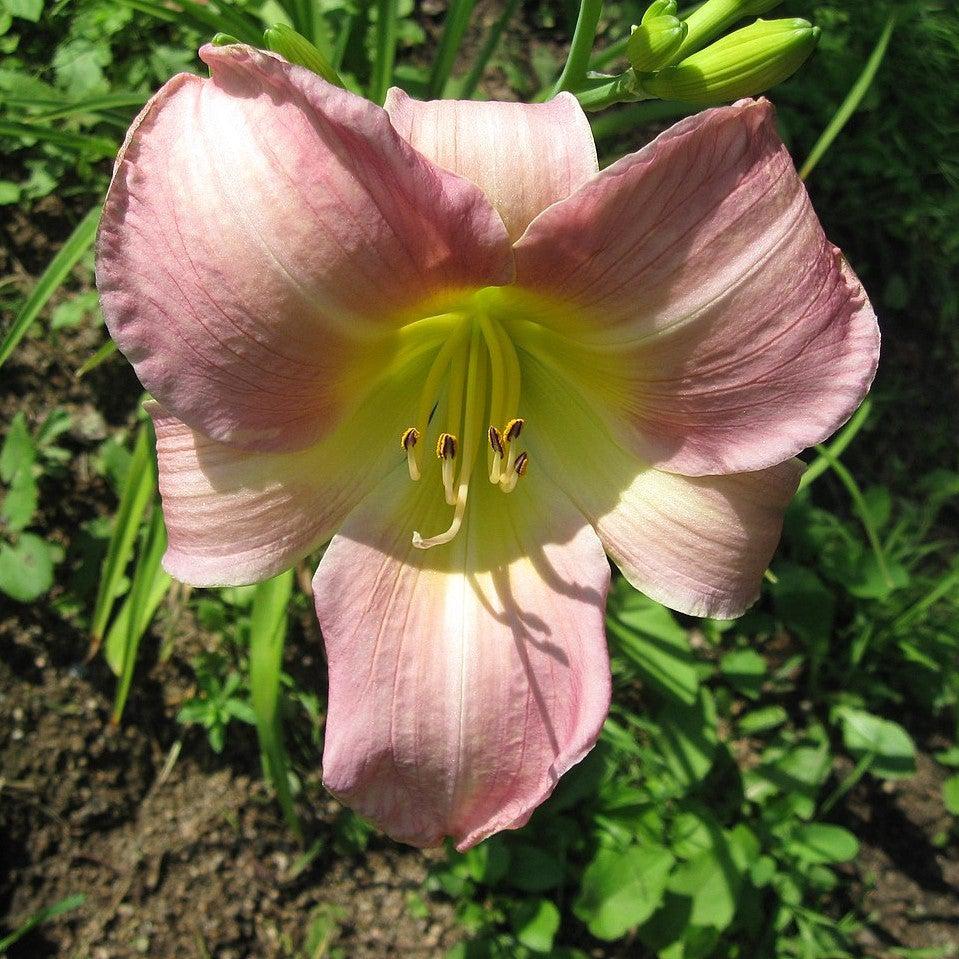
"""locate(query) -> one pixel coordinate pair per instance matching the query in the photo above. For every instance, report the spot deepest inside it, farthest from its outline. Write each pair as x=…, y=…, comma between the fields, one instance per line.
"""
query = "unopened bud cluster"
x=678, y=59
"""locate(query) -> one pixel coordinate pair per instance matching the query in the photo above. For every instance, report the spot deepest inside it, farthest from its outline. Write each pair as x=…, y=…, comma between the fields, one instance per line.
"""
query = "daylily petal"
x=464, y=681
x=699, y=545
x=262, y=228
x=238, y=516
x=742, y=336
x=524, y=156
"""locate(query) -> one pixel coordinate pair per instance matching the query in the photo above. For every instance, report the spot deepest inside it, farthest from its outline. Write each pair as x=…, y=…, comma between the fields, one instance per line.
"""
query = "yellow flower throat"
x=477, y=372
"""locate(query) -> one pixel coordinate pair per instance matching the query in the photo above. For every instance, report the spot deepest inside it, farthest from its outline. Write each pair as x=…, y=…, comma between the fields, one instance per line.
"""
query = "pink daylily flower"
x=321, y=294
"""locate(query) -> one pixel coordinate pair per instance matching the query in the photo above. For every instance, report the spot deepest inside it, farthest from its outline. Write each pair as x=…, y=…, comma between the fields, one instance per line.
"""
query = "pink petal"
x=524, y=156
x=743, y=335
x=699, y=545
x=239, y=516
x=464, y=681
x=261, y=226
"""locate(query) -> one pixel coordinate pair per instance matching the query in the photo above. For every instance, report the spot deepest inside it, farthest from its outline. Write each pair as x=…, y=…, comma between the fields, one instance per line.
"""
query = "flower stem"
x=580, y=50
x=622, y=88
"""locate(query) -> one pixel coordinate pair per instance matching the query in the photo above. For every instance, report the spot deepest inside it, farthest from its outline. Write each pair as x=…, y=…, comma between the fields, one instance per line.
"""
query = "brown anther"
x=410, y=438
x=446, y=446
x=512, y=430
x=496, y=440
x=521, y=464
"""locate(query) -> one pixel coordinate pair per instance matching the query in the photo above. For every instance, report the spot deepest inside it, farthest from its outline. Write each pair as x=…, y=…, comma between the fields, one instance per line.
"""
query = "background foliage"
x=713, y=819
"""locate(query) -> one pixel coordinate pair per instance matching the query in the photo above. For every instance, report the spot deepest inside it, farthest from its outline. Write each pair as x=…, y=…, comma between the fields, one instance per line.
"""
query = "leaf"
x=138, y=490
x=803, y=604
x=762, y=720
x=818, y=842
x=619, y=890
x=950, y=794
x=19, y=452
x=26, y=569
x=656, y=646
x=24, y=9
x=42, y=916
x=890, y=746
x=745, y=669
x=59, y=269
x=535, y=923
x=533, y=870
x=687, y=738
x=20, y=503
x=712, y=881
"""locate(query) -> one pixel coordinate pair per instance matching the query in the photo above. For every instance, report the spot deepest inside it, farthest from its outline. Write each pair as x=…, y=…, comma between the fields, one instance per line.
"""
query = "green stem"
x=859, y=501
x=603, y=57
x=457, y=20
x=623, y=88
x=342, y=40
x=385, y=49
x=847, y=783
x=636, y=115
x=472, y=79
x=580, y=50
x=848, y=107
x=836, y=448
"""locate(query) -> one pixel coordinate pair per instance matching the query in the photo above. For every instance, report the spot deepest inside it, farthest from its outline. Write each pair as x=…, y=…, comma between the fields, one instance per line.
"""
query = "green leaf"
x=19, y=452
x=619, y=890
x=712, y=882
x=41, y=916
x=950, y=794
x=687, y=738
x=59, y=269
x=818, y=842
x=803, y=604
x=745, y=669
x=138, y=490
x=890, y=746
x=20, y=503
x=24, y=9
x=535, y=923
x=26, y=569
x=533, y=870
x=656, y=646
x=762, y=720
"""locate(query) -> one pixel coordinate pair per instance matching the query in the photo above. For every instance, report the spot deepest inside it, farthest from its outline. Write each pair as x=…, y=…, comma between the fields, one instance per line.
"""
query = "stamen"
x=509, y=481
x=496, y=441
x=431, y=386
x=496, y=445
x=408, y=441
x=475, y=409
x=512, y=430
x=446, y=451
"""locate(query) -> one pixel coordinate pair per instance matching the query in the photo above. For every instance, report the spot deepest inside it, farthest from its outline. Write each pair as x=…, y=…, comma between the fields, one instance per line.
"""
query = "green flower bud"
x=660, y=8
x=652, y=44
x=714, y=17
x=741, y=64
x=297, y=49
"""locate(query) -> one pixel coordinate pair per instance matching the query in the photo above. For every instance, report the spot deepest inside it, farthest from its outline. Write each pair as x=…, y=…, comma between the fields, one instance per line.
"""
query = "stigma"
x=473, y=389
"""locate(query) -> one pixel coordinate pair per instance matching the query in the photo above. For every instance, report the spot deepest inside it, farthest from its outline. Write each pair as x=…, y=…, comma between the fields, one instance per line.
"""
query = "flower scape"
x=438, y=337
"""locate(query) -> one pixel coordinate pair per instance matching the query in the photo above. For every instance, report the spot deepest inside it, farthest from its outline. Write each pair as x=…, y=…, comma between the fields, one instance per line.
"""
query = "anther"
x=446, y=451
x=509, y=480
x=512, y=430
x=496, y=441
x=408, y=441
x=446, y=446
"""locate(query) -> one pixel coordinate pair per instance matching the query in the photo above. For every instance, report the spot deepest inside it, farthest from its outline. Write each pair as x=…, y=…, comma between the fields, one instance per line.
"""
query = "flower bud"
x=297, y=49
x=660, y=8
x=742, y=64
x=652, y=44
x=714, y=17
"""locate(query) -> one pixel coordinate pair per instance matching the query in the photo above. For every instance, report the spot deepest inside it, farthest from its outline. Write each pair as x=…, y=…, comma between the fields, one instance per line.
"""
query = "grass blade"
x=42, y=916
x=92, y=362
x=57, y=110
x=849, y=106
x=59, y=269
x=136, y=496
x=81, y=142
x=206, y=18
x=150, y=585
x=490, y=44
x=268, y=616
x=457, y=20
x=382, y=77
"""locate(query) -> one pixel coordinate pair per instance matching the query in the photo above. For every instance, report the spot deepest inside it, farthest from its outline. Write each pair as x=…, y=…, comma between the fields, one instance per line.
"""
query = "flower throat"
x=477, y=371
